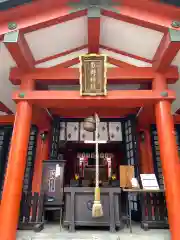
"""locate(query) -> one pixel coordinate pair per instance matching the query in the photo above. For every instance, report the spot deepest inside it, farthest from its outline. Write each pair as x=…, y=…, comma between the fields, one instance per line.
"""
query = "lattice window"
x=5, y=136
x=131, y=155
x=55, y=139
x=5, y=140
x=130, y=142
x=31, y=152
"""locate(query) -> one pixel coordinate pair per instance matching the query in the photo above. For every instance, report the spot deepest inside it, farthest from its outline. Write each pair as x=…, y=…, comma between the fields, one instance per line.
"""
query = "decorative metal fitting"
x=164, y=94
x=21, y=95
x=175, y=24
x=44, y=135
x=12, y=25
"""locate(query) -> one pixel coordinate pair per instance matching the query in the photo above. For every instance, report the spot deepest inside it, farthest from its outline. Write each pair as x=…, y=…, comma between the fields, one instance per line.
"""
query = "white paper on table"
x=58, y=171
x=149, y=181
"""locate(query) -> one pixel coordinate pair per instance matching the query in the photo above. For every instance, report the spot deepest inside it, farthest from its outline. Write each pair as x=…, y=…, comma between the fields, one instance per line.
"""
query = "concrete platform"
x=52, y=232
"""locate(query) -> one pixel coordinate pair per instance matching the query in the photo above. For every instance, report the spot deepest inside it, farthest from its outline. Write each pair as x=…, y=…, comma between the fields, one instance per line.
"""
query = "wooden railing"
x=31, y=212
x=154, y=210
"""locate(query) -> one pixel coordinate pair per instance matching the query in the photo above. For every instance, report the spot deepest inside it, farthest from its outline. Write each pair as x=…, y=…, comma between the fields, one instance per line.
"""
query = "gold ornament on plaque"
x=93, y=71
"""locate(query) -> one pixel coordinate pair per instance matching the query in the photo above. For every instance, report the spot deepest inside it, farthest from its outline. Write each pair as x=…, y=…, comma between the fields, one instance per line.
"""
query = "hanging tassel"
x=97, y=210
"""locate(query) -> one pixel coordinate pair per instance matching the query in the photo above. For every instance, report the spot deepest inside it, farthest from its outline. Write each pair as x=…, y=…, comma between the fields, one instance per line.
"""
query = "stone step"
x=51, y=236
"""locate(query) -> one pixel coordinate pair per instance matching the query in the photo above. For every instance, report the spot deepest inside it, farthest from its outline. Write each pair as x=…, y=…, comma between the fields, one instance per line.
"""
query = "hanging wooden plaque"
x=93, y=79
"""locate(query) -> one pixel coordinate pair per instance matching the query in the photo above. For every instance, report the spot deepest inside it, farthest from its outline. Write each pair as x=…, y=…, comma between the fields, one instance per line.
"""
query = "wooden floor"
x=52, y=232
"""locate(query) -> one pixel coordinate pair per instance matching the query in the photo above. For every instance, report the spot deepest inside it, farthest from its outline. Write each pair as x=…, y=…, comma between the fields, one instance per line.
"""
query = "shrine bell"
x=90, y=124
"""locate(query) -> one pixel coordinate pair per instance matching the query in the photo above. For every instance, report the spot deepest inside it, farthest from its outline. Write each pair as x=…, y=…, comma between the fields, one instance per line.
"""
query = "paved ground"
x=52, y=232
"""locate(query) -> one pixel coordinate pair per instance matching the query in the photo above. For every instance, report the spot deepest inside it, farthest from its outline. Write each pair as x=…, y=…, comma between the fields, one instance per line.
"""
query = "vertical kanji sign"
x=93, y=78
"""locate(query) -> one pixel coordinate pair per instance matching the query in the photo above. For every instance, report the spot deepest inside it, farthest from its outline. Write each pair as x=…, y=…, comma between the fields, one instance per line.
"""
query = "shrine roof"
x=130, y=34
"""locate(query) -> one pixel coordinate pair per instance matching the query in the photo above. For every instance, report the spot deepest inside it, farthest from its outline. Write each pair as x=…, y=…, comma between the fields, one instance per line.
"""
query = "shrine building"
x=80, y=74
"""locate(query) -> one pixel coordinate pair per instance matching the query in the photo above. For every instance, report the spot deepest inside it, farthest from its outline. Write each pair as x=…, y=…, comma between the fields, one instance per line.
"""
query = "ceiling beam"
x=178, y=111
x=66, y=64
x=62, y=54
x=72, y=99
x=145, y=14
x=39, y=14
x=119, y=63
x=38, y=115
x=59, y=75
x=44, y=13
x=7, y=120
x=19, y=49
x=93, y=29
x=102, y=112
x=120, y=52
x=167, y=50
x=5, y=109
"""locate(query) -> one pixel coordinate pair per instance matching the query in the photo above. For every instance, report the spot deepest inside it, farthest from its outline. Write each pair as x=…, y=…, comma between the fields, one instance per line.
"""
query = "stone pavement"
x=52, y=232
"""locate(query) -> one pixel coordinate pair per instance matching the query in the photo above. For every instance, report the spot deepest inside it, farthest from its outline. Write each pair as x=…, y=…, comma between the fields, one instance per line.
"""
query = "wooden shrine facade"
x=159, y=95
x=35, y=101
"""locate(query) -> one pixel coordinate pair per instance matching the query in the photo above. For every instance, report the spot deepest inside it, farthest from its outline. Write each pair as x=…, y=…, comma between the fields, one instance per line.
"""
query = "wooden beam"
x=19, y=49
x=167, y=50
x=176, y=118
x=5, y=109
x=62, y=54
x=119, y=63
x=178, y=112
x=93, y=29
x=44, y=13
x=144, y=14
x=7, y=120
x=102, y=112
x=39, y=14
x=130, y=55
x=59, y=75
x=38, y=115
x=66, y=64
x=72, y=99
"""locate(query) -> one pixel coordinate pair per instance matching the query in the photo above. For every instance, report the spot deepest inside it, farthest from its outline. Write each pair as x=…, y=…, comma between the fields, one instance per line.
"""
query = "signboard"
x=93, y=75
x=53, y=181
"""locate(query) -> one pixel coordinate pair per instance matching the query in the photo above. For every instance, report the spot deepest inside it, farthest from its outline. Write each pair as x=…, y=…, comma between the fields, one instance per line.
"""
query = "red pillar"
x=169, y=157
x=13, y=185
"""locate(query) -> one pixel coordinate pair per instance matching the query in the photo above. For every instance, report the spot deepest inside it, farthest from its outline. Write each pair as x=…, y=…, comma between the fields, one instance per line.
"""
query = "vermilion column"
x=169, y=158
x=11, y=197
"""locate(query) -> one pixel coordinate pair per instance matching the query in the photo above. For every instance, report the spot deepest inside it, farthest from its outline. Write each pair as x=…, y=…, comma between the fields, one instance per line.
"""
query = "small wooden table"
x=137, y=191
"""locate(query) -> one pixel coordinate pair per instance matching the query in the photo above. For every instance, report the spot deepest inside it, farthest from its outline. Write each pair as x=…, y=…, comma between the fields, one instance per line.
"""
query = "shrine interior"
x=76, y=148
x=77, y=144
x=74, y=151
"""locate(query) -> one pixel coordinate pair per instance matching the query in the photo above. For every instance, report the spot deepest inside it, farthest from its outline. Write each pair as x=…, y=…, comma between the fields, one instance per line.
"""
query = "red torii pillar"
x=169, y=157
x=11, y=197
